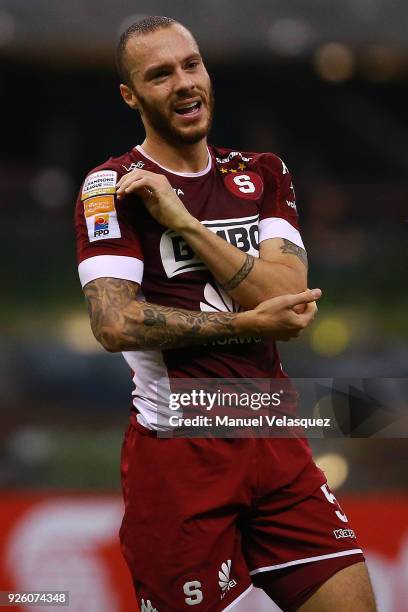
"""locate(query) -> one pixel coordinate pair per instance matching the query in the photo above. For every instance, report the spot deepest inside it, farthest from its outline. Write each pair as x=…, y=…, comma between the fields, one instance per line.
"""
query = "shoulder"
x=222, y=155
x=263, y=162
x=119, y=164
x=103, y=178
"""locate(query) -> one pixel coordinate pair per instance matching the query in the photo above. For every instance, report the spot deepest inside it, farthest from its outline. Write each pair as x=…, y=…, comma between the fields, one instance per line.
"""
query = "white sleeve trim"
x=113, y=266
x=275, y=227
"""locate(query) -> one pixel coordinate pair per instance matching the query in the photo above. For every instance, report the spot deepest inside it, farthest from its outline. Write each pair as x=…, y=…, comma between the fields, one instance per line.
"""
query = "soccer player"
x=192, y=264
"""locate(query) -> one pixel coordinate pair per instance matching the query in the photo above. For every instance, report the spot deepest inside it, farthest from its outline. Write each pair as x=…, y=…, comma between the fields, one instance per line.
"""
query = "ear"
x=129, y=96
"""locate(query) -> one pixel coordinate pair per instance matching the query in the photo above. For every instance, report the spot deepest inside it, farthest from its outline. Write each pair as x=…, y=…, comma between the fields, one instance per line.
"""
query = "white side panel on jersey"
x=275, y=227
x=152, y=388
x=110, y=266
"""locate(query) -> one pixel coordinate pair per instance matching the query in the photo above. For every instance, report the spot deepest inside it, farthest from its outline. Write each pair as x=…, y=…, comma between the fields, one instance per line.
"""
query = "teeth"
x=188, y=105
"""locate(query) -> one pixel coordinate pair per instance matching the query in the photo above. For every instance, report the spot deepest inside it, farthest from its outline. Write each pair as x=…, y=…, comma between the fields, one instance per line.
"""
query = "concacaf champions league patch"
x=98, y=196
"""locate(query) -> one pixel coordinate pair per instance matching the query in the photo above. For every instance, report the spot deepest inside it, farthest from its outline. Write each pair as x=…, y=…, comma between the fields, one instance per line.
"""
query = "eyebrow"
x=151, y=70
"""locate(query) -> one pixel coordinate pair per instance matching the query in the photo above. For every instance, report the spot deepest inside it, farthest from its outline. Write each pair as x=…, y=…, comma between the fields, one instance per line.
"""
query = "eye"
x=162, y=74
x=193, y=64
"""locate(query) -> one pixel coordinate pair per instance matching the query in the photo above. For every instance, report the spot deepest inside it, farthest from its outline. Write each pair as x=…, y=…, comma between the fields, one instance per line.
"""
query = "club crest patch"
x=247, y=184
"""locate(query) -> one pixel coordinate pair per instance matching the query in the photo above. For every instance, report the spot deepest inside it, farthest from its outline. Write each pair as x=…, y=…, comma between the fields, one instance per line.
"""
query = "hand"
x=158, y=196
x=277, y=317
x=300, y=308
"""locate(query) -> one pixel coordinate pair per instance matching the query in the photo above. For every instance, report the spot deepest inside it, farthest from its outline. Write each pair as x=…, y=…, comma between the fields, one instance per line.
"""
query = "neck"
x=179, y=158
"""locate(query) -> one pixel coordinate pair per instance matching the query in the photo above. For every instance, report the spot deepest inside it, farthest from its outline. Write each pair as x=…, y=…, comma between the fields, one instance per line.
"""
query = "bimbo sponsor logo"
x=178, y=257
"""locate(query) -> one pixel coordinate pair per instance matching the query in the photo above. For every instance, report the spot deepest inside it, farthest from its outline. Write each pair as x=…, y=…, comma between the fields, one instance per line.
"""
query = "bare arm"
x=280, y=269
x=120, y=322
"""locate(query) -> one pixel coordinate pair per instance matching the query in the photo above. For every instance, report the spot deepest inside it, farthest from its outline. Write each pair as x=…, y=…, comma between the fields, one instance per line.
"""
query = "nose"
x=183, y=82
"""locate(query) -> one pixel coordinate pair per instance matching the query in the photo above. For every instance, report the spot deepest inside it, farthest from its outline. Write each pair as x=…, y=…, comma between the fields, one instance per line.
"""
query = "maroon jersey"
x=244, y=198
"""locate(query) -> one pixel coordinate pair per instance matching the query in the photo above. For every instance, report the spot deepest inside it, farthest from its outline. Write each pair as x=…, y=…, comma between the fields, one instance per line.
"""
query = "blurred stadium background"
x=324, y=85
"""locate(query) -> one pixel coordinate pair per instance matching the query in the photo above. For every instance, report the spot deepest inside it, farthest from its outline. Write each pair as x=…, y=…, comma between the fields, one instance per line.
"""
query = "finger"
x=300, y=308
x=305, y=319
x=309, y=309
x=310, y=295
x=128, y=179
x=138, y=172
x=120, y=187
x=155, y=183
x=142, y=186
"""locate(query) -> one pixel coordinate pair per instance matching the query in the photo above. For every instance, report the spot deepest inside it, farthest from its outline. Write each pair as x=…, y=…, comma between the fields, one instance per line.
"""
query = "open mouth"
x=190, y=109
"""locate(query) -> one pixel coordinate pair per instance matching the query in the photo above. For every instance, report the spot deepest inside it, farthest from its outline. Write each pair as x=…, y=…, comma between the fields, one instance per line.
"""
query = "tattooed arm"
x=121, y=322
x=280, y=269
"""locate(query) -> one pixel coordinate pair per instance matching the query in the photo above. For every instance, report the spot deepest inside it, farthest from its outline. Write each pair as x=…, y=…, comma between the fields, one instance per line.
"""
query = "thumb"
x=310, y=295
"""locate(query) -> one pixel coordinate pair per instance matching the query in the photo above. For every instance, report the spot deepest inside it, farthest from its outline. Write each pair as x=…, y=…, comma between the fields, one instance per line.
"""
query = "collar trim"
x=185, y=174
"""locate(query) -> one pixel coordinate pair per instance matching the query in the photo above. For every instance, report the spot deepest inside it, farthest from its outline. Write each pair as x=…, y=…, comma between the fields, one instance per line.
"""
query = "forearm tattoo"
x=290, y=247
x=121, y=322
x=240, y=275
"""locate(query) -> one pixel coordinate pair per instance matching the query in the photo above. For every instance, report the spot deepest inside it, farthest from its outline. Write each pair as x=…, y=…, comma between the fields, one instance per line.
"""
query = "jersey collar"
x=185, y=174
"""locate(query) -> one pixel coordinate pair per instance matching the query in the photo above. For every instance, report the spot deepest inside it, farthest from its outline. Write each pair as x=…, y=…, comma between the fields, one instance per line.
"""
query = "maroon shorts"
x=205, y=519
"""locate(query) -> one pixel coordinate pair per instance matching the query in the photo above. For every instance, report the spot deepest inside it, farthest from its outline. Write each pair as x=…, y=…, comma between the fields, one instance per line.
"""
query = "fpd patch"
x=247, y=185
x=101, y=222
x=101, y=219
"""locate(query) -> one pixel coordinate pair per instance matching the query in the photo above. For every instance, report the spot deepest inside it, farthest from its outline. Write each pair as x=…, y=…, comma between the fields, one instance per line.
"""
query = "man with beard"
x=192, y=265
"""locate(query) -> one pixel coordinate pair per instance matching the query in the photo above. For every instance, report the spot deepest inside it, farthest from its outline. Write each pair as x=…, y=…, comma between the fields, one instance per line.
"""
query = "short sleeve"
x=278, y=215
x=108, y=243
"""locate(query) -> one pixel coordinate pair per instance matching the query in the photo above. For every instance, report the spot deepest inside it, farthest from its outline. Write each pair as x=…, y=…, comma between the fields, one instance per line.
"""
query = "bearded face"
x=170, y=85
x=187, y=120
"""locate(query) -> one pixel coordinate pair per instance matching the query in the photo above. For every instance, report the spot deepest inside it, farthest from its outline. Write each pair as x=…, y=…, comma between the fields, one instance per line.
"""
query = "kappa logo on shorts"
x=344, y=533
x=147, y=607
x=224, y=576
